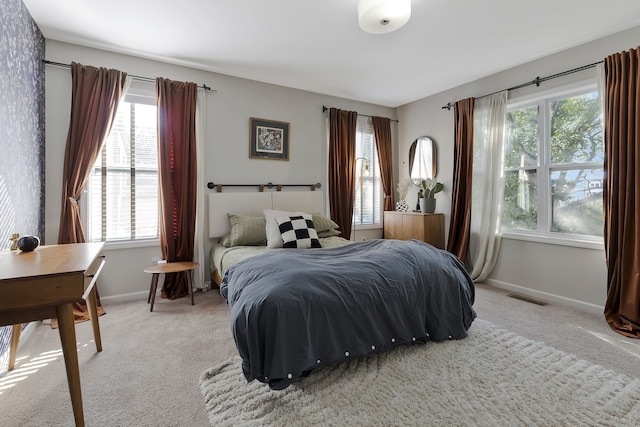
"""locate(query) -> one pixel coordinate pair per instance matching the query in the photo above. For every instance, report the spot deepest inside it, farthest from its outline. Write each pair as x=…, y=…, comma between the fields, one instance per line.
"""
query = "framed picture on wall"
x=268, y=139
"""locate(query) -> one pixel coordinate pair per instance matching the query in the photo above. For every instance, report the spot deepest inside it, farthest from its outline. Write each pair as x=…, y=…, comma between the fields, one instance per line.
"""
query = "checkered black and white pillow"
x=298, y=232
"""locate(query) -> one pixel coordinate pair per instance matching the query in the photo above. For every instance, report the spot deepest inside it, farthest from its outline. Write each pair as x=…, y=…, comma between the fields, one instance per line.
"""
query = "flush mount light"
x=383, y=16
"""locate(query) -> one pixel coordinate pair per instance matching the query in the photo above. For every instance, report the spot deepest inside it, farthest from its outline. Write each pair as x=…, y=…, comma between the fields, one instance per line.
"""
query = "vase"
x=427, y=205
x=401, y=206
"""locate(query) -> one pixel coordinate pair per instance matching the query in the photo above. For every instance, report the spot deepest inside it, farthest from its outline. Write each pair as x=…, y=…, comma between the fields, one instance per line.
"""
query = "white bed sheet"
x=223, y=258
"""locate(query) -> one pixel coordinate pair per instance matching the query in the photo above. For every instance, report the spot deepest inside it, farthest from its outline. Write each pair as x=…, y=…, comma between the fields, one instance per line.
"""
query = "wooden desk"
x=45, y=283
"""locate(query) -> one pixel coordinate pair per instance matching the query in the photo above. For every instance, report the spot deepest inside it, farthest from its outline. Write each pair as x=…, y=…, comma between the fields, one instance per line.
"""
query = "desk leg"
x=92, y=305
x=16, y=330
x=66, y=326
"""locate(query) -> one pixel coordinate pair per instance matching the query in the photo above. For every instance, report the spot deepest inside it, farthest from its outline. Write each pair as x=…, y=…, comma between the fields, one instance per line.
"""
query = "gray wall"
x=574, y=276
x=21, y=123
x=21, y=132
x=227, y=143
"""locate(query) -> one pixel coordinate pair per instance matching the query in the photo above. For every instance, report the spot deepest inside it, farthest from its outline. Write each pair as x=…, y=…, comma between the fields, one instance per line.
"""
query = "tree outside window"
x=554, y=156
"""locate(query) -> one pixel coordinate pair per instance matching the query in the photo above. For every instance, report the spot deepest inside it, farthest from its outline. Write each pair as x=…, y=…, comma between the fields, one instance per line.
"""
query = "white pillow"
x=274, y=238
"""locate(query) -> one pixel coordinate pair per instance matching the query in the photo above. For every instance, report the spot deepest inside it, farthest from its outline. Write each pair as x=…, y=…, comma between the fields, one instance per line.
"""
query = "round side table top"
x=171, y=267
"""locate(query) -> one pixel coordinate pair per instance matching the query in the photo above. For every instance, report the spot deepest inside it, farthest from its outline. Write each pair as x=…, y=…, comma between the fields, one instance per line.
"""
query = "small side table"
x=170, y=267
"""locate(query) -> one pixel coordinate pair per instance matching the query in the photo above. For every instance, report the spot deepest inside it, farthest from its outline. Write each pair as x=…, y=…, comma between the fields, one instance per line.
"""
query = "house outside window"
x=122, y=190
x=367, y=206
x=554, y=167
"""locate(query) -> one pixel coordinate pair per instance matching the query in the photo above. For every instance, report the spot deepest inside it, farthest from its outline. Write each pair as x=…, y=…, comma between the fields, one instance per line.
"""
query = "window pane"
x=123, y=187
x=145, y=134
x=118, y=148
x=520, y=208
x=367, y=203
x=146, y=202
x=576, y=201
x=118, y=205
x=576, y=132
x=521, y=148
x=94, y=213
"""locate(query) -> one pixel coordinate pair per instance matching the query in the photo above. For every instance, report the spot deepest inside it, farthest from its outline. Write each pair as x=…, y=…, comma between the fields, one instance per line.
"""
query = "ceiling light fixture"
x=383, y=16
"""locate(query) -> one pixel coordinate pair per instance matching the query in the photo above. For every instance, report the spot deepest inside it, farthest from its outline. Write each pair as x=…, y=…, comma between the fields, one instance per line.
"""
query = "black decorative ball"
x=28, y=243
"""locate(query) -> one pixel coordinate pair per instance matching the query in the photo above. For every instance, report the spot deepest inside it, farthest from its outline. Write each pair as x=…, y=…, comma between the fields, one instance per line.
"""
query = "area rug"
x=492, y=378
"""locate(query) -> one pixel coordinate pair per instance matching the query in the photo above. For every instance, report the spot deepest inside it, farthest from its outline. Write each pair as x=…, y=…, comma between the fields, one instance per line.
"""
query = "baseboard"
x=581, y=305
x=133, y=296
x=137, y=296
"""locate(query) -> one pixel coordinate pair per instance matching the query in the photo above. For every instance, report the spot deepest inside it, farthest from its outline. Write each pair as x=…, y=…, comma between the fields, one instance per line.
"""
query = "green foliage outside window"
x=574, y=165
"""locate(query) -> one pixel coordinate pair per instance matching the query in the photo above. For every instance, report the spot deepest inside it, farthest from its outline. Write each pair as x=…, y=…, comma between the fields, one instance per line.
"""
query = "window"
x=122, y=202
x=368, y=195
x=554, y=159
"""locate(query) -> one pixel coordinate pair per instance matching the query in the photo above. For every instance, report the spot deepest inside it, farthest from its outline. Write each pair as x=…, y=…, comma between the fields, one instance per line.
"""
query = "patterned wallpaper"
x=21, y=132
x=21, y=123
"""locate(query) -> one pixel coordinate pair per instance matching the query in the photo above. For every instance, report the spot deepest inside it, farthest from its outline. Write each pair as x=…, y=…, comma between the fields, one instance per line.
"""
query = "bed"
x=294, y=310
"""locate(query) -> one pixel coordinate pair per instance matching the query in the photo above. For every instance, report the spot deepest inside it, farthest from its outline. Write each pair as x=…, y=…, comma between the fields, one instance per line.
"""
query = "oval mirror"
x=423, y=159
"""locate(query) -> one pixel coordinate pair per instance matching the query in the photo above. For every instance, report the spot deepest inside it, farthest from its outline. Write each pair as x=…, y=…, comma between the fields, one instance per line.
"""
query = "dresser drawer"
x=91, y=274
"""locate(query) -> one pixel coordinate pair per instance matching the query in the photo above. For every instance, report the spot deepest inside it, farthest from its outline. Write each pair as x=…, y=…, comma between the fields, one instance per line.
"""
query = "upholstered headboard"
x=245, y=203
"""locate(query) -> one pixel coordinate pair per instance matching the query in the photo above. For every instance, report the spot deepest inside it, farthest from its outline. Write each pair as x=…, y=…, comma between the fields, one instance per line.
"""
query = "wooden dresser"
x=415, y=225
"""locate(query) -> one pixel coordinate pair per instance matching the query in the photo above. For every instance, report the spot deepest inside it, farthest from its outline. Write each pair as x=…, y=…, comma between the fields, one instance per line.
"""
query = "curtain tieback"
x=73, y=201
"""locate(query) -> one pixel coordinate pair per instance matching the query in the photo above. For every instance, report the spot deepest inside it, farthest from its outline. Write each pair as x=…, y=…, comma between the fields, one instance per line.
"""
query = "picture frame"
x=268, y=139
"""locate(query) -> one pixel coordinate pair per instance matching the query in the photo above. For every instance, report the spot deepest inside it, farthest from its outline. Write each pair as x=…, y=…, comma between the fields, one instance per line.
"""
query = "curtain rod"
x=535, y=81
x=363, y=115
x=269, y=185
x=140, y=78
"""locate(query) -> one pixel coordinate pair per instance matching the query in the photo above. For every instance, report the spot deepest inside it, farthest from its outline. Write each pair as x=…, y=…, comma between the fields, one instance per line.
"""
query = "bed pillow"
x=297, y=231
x=225, y=241
x=328, y=233
x=325, y=227
x=246, y=231
x=274, y=238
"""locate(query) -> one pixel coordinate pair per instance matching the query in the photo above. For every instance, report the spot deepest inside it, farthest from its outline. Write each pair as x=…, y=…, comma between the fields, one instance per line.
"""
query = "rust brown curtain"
x=95, y=95
x=459, y=227
x=177, y=172
x=382, y=134
x=342, y=175
x=622, y=192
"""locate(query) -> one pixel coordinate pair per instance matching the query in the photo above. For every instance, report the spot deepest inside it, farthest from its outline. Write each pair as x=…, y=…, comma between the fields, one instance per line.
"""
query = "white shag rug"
x=492, y=378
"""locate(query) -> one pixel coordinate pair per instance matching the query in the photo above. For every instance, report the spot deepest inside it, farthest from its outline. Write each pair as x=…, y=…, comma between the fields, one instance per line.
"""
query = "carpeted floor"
x=148, y=373
x=492, y=378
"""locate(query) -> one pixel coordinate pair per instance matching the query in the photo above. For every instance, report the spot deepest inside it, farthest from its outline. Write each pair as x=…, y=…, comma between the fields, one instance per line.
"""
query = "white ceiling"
x=318, y=46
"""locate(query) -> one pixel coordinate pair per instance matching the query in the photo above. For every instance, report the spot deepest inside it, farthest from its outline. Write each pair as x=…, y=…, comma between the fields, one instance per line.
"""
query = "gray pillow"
x=322, y=223
x=328, y=233
x=246, y=231
x=325, y=227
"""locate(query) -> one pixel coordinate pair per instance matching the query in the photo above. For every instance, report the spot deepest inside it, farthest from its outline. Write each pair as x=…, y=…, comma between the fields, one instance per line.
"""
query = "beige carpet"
x=492, y=378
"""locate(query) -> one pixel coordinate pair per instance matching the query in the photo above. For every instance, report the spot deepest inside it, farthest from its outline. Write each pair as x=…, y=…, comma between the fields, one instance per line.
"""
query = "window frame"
x=544, y=169
x=140, y=92
x=365, y=123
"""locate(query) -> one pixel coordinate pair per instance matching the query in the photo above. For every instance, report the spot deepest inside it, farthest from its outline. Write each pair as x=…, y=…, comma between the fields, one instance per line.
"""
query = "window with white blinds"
x=368, y=191
x=122, y=192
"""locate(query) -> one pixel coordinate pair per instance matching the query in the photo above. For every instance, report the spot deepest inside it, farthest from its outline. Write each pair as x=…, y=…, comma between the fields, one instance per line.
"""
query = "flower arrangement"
x=403, y=188
x=429, y=188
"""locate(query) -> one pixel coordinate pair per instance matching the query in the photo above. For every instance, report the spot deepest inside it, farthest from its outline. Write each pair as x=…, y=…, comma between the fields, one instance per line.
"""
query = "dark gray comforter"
x=293, y=310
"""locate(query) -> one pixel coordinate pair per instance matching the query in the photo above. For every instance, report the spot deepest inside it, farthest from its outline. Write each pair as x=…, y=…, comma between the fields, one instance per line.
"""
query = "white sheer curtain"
x=487, y=183
x=198, y=249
